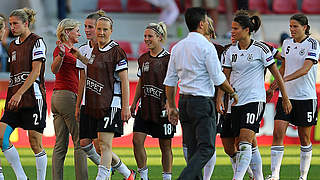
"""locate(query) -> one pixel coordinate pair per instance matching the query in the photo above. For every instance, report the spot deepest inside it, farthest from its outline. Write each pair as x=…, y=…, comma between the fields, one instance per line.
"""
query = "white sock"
x=276, y=158
x=166, y=176
x=103, y=173
x=1, y=174
x=143, y=173
x=41, y=165
x=90, y=150
x=256, y=164
x=185, y=152
x=122, y=168
x=233, y=160
x=209, y=167
x=305, y=159
x=244, y=159
x=13, y=158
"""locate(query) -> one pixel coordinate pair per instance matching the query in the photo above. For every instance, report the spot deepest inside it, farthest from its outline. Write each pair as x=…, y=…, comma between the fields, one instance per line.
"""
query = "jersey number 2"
x=36, y=122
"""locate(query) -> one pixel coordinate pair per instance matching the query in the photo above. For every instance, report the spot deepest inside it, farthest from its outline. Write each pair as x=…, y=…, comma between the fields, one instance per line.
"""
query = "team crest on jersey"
x=302, y=51
x=14, y=56
x=145, y=67
x=250, y=57
x=92, y=59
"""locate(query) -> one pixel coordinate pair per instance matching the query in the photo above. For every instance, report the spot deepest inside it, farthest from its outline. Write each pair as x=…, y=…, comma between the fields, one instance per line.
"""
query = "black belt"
x=188, y=96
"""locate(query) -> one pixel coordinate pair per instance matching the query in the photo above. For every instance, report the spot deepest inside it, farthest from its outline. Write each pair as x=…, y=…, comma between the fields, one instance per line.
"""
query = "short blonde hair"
x=25, y=14
x=66, y=24
x=160, y=29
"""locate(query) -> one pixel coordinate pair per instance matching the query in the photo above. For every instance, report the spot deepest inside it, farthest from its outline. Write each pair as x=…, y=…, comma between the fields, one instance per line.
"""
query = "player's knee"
x=105, y=146
x=5, y=138
x=278, y=136
x=35, y=143
x=137, y=142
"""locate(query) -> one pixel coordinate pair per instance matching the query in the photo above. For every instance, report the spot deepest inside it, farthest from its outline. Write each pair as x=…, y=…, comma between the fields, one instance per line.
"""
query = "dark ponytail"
x=303, y=20
x=253, y=23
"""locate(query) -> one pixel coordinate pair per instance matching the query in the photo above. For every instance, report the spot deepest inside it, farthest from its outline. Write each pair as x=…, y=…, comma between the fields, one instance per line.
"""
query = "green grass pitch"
x=223, y=170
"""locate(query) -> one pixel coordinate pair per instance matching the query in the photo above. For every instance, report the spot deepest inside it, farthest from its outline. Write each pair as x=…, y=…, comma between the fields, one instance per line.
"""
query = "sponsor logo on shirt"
x=14, y=56
x=150, y=90
x=37, y=53
x=312, y=54
x=94, y=86
x=269, y=58
x=17, y=79
x=302, y=51
x=145, y=67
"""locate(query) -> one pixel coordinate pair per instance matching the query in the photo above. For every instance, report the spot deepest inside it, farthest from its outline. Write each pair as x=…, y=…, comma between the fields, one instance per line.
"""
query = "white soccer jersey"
x=295, y=55
x=247, y=75
x=85, y=50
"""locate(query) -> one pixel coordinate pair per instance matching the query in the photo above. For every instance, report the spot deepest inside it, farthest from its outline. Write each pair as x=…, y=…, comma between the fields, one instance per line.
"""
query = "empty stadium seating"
x=311, y=6
x=259, y=5
x=126, y=46
x=110, y=5
x=284, y=7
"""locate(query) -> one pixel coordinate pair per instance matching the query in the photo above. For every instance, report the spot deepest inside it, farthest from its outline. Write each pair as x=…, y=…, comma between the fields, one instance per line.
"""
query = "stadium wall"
x=20, y=138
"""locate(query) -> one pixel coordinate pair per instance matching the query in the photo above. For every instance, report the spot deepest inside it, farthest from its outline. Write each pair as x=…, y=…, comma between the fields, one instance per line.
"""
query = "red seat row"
x=278, y=6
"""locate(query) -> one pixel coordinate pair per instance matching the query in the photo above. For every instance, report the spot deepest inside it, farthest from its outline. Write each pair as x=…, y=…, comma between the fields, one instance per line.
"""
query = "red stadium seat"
x=274, y=45
x=140, y=6
x=222, y=6
x=110, y=5
x=126, y=46
x=259, y=5
x=142, y=48
x=284, y=7
x=311, y=6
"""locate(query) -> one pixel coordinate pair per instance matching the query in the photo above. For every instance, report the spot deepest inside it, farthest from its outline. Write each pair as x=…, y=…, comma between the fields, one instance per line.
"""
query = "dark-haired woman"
x=244, y=65
x=299, y=70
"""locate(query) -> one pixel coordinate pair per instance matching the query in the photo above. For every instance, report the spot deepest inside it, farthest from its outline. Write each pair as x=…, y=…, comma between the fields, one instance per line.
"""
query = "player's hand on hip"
x=125, y=114
x=14, y=101
x=287, y=107
x=173, y=115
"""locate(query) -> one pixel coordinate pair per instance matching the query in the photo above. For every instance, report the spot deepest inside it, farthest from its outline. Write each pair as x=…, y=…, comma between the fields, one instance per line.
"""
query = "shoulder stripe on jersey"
x=262, y=46
x=109, y=46
x=82, y=45
x=313, y=43
x=163, y=53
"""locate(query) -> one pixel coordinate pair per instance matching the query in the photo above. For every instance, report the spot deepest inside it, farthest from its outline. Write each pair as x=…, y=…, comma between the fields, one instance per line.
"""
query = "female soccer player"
x=26, y=97
x=88, y=132
x=244, y=65
x=151, y=118
x=107, y=92
x=299, y=70
x=64, y=101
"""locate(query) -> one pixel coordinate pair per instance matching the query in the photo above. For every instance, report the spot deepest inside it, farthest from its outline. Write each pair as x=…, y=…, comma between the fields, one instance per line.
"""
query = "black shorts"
x=88, y=129
x=110, y=123
x=163, y=131
x=304, y=112
x=27, y=118
x=247, y=116
x=224, y=126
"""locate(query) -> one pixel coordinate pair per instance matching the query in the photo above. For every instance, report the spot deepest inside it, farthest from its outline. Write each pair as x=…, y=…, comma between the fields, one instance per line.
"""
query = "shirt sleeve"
x=172, y=75
x=122, y=63
x=313, y=52
x=39, y=51
x=267, y=58
x=214, y=67
x=226, y=59
x=284, y=48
